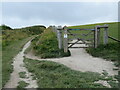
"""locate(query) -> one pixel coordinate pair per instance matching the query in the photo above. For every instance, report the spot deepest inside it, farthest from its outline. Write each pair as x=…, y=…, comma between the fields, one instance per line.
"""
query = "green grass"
x=8, y=54
x=113, y=29
x=22, y=74
x=53, y=75
x=109, y=51
x=22, y=84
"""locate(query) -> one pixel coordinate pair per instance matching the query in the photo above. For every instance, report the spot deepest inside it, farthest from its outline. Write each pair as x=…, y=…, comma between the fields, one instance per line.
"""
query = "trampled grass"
x=53, y=75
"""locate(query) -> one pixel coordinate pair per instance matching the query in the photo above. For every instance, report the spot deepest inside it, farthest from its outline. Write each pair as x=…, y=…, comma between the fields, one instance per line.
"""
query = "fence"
x=63, y=32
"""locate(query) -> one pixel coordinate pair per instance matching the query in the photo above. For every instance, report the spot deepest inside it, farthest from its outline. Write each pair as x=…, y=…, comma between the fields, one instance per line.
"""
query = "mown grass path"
x=18, y=66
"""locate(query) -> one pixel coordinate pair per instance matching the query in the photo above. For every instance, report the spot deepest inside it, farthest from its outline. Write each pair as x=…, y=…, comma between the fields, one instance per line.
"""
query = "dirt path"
x=18, y=66
x=80, y=60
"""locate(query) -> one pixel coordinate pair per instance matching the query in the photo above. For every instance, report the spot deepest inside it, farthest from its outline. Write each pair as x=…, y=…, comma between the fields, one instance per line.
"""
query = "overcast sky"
x=20, y=14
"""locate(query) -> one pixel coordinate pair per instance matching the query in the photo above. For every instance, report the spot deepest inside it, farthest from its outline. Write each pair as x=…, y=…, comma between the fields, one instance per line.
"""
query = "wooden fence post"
x=65, y=40
x=105, y=40
x=98, y=34
x=59, y=36
x=96, y=37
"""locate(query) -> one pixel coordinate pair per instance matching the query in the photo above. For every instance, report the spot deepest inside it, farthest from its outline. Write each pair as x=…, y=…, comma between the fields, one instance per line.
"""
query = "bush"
x=34, y=29
x=47, y=45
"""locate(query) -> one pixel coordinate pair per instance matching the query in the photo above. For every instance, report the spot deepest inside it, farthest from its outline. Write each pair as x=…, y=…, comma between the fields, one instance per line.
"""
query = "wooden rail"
x=80, y=29
x=113, y=38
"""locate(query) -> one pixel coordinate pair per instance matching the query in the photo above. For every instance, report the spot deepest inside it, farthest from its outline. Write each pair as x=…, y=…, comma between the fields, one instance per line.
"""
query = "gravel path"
x=80, y=60
x=18, y=66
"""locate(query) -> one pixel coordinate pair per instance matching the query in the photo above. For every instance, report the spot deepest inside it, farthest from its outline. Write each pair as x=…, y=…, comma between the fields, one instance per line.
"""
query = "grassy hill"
x=113, y=29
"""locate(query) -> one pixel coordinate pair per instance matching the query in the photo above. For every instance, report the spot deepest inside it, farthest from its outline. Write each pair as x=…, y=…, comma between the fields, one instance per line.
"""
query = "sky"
x=21, y=14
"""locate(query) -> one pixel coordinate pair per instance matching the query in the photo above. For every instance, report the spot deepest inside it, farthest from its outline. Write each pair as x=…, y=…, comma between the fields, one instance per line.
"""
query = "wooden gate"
x=79, y=38
x=87, y=37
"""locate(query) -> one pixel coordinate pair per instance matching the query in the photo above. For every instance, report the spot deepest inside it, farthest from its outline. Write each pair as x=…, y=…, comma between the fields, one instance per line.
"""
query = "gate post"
x=59, y=36
x=105, y=39
x=65, y=40
x=98, y=32
x=96, y=37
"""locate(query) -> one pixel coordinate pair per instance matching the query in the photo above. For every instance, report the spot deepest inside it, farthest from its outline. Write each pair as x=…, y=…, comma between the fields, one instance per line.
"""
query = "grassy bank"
x=53, y=75
x=46, y=45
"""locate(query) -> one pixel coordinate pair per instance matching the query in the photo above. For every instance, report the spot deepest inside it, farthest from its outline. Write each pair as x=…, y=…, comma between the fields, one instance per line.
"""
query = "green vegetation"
x=108, y=51
x=22, y=84
x=46, y=45
x=53, y=75
x=22, y=74
x=12, y=42
x=34, y=30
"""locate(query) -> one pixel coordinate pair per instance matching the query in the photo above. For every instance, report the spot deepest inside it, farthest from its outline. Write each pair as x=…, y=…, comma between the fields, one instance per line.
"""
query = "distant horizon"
x=57, y=25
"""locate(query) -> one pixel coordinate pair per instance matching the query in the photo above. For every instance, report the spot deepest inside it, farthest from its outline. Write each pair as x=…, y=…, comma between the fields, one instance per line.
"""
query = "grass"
x=22, y=74
x=109, y=51
x=8, y=54
x=22, y=84
x=53, y=75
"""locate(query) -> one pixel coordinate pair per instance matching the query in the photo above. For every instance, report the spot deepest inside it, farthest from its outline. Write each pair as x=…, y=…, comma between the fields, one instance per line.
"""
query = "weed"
x=22, y=74
x=22, y=84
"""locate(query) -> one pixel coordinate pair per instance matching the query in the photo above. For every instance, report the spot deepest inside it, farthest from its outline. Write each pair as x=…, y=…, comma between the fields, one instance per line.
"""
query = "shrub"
x=34, y=29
